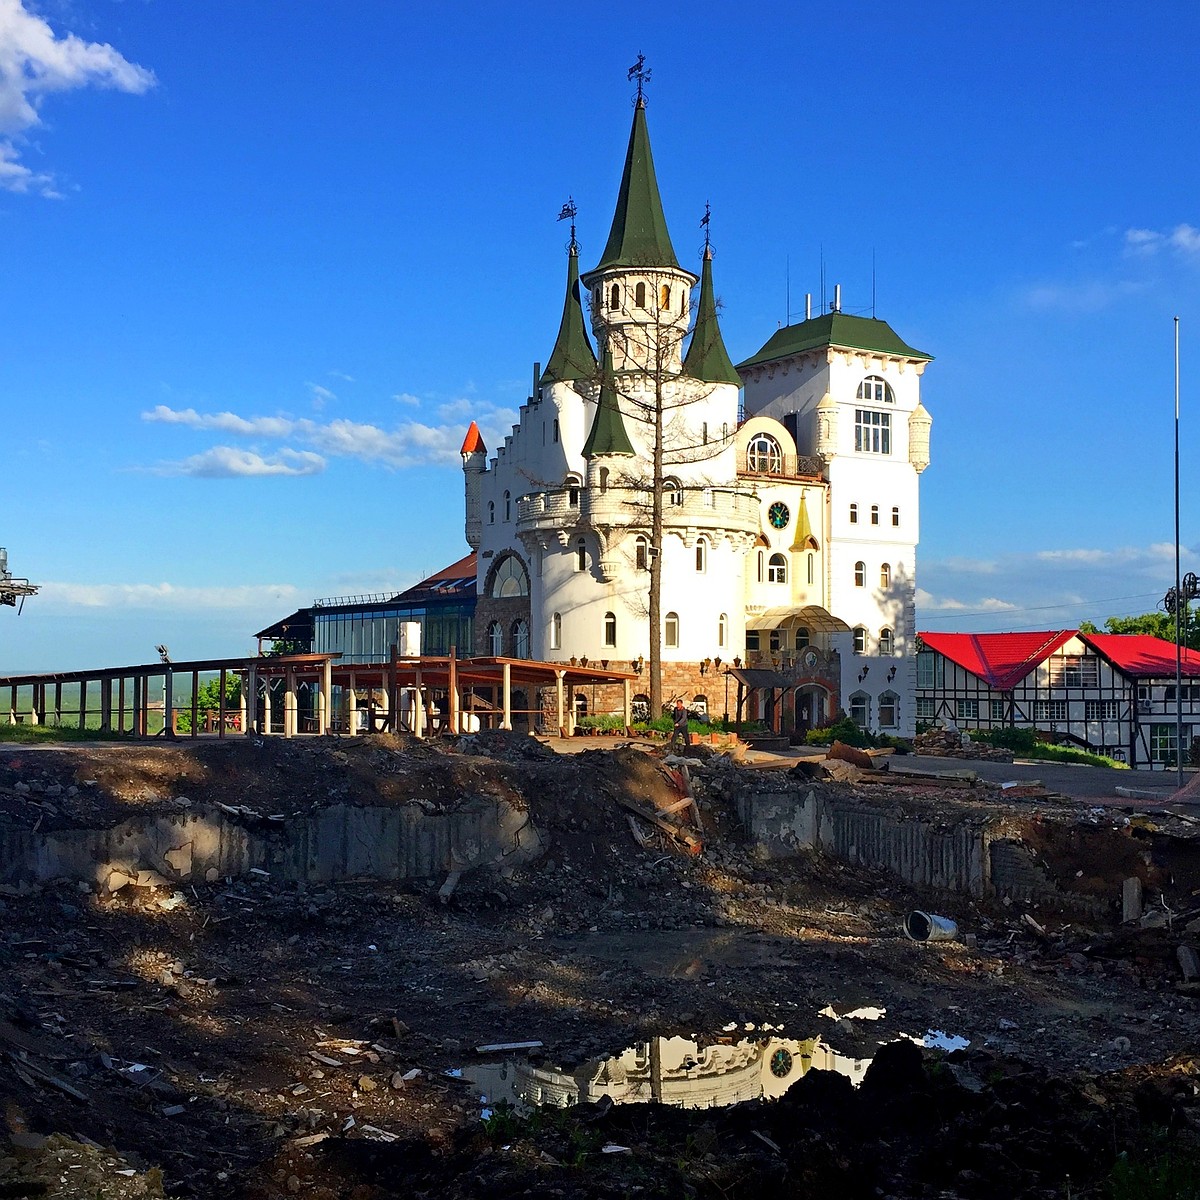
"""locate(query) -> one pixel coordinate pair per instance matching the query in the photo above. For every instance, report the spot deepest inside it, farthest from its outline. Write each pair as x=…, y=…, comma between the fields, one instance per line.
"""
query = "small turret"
x=474, y=457
x=707, y=359
x=919, y=425
x=572, y=357
x=827, y=415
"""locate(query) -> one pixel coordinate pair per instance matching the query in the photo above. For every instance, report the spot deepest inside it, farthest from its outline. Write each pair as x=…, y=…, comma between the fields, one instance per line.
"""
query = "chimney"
x=837, y=297
x=808, y=306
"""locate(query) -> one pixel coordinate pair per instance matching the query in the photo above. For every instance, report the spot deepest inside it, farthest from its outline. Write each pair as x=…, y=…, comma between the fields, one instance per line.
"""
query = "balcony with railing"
x=695, y=507
x=555, y=508
x=781, y=466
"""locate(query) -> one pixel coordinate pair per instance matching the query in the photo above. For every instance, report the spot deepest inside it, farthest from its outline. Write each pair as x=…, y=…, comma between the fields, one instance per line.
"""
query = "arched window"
x=672, y=492
x=887, y=641
x=885, y=576
x=671, y=630
x=603, y=479
x=802, y=638
x=639, y=294
x=777, y=569
x=860, y=574
x=876, y=390
x=507, y=507
x=491, y=512
x=641, y=552
x=895, y=516
x=495, y=639
x=614, y=297
x=722, y=629
x=874, y=514
x=556, y=632
x=764, y=455
x=812, y=570
x=700, y=705
x=596, y=297
x=889, y=710
x=860, y=708
x=854, y=514
x=581, y=563
x=520, y=638
x=509, y=578
x=701, y=555
x=860, y=640
x=664, y=300
x=610, y=629
x=683, y=299
x=760, y=566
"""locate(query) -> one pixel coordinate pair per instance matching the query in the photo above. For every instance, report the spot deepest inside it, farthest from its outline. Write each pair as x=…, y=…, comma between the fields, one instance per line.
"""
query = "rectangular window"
x=1074, y=670
x=1162, y=743
x=966, y=710
x=925, y=708
x=931, y=670
x=1102, y=710
x=889, y=709
x=752, y=640
x=778, y=640
x=1049, y=710
x=997, y=710
x=872, y=431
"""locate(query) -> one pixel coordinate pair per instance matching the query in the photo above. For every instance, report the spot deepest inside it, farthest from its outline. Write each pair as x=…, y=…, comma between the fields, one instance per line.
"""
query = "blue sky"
x=264, y=262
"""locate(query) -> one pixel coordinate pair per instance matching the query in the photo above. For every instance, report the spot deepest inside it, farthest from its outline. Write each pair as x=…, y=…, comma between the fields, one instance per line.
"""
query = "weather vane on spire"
x=641, y=73
x=704, y=222
x=569, y=212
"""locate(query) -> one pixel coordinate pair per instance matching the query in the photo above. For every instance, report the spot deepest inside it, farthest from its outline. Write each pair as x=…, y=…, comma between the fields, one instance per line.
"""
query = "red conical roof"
x=473, y=442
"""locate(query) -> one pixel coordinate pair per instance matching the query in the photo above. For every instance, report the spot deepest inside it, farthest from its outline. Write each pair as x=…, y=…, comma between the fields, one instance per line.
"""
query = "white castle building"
x=788, y=484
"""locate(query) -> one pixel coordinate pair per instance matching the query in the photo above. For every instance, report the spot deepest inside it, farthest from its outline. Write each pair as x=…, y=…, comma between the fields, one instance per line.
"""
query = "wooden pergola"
x=400, y=694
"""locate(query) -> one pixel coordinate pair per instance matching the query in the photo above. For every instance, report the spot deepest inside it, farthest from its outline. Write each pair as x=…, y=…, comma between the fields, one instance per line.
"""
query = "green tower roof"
x=607, y=435
x=572, y=356
x=707, y=359
x=835, y=329
x=639, y=236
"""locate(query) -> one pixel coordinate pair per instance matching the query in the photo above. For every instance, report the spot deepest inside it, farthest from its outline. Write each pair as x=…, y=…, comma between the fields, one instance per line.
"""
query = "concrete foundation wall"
x=342, y=842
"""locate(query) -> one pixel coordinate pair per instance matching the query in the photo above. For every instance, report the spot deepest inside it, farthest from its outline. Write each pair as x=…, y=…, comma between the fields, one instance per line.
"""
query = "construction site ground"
x=249, y=1038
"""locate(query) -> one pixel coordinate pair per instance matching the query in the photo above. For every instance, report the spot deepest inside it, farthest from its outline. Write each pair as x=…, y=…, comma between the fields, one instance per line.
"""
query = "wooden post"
x=243, y=691
x=393, y=691
x=326, y=696
x=266, y=722
x=195, y=704
x=221, y=704
x=506, y=688
x=168, y=702
x=452, y=691
x=418, y=708
x=57, y=702
x=12, y=706
x=352, y=708
x=628, y=707
x=105, y=705
x=558, y=696
x=289, y=703
x=121, y=704
x=83, y=687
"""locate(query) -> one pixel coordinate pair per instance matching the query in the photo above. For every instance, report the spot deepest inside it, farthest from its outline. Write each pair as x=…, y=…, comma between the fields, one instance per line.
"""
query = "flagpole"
x=1178, y=588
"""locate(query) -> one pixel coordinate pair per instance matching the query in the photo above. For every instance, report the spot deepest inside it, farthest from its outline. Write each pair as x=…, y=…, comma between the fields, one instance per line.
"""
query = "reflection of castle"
x=670, y=1070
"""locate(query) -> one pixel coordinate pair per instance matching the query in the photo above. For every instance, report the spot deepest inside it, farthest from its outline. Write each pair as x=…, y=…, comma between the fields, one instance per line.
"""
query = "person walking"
x=679, y=730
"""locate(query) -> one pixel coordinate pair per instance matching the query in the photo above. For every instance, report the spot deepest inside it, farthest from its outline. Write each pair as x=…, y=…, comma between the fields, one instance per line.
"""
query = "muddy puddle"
x=684, y=1072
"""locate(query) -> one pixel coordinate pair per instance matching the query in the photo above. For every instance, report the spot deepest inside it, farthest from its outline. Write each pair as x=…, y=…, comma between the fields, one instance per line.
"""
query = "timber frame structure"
x=309, y=694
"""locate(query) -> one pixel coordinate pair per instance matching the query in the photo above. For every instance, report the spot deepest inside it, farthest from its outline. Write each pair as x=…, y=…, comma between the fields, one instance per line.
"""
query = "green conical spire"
x=607, y=435
x=639, y=236
x=707, y=359
x=572, y=356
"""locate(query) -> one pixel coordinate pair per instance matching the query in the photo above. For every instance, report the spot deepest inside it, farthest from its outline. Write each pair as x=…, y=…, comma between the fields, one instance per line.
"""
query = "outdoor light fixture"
x=863, y=674
x=891, y=674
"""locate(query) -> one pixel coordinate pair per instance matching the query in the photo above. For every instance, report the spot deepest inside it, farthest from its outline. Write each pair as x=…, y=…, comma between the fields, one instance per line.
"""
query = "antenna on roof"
x=822, y=276
x=787, y=289
x=872, y=282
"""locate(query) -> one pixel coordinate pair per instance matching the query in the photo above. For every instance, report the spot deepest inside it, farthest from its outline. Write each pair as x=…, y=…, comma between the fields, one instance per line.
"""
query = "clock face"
x=781, y=1063
x=778, y=515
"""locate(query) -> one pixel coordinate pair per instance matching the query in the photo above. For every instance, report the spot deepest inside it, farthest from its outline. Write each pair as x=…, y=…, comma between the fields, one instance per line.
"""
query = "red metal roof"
x=1139, y=654
x=473, y=442
x=1000, y=659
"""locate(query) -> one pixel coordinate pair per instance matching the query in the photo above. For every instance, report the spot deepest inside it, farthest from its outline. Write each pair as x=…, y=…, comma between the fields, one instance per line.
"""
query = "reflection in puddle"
x=666, y=1070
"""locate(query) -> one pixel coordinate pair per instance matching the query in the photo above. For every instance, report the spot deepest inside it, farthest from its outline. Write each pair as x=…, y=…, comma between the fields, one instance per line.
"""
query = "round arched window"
x=764, y=455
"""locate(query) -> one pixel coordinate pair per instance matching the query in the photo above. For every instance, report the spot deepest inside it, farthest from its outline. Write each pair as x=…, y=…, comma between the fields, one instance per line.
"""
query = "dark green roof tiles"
x=639, y=236
x=572, y=356
x=834, y=329
x=707, y=359
x=607, y=435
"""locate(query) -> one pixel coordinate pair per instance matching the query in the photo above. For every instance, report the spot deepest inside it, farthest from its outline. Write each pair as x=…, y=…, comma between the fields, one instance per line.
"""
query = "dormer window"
x=876, y=390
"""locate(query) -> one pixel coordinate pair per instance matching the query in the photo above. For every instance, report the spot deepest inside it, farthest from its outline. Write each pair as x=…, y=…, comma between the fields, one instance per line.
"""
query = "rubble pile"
x=251, y=1038
x=949, y=743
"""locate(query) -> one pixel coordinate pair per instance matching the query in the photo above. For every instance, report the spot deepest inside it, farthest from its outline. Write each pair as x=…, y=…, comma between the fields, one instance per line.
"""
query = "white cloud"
x=320, y=395
x=409, y=444
x=407, y=398
x=228, y=462
x=1124, y=557
x=1183, y=239
x=167, y=595
x=927, y=602
x=34, y=63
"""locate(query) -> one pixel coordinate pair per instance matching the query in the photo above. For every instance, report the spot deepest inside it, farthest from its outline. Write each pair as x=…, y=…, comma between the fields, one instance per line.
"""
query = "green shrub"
x=604, y=722
x=1019, y=741
x=843, y=730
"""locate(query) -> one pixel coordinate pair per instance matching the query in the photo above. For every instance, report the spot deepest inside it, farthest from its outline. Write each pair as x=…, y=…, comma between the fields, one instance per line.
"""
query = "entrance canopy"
x=812, y=617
